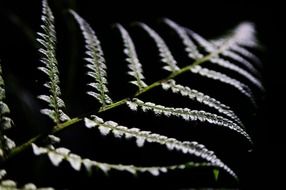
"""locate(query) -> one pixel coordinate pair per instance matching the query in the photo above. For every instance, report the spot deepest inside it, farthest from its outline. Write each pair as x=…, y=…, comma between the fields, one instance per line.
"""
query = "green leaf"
x=216, y=174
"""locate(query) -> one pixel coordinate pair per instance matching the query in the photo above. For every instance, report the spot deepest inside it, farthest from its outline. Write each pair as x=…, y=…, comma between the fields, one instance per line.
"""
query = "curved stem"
x=56, y=129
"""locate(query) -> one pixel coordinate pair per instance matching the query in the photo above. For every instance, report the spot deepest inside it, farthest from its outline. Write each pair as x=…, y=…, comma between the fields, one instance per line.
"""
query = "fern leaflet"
x=50, y=68
x=191, y=48
x=200, y=97
x=187, y=114
x=226, y=64
x=185, y=147
x=57, y=155
x=96, y=62
x=132, y=58
x=165, y=53
x=246, y=53
x=224, y=79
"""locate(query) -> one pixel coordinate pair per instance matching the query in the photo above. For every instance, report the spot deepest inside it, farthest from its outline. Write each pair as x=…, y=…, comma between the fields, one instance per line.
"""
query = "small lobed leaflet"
x=95, y=62
x=48, y=40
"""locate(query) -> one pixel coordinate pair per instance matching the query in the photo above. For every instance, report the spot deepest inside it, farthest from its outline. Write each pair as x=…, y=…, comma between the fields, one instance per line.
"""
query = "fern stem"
x=23, y=147
x=66, y=124
x=176, y=73
x=26, y=145
x=113, y=105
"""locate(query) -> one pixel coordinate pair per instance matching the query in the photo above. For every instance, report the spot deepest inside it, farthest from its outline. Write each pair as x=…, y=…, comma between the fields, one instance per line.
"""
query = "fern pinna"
x=230, y=54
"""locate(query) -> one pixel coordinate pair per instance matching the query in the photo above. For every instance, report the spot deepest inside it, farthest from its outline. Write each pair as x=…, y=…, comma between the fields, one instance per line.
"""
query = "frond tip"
x=95, y=62
x=50, y=68
x=134, y=64
x=210, y=48
x=186, y=147
x=194, y=53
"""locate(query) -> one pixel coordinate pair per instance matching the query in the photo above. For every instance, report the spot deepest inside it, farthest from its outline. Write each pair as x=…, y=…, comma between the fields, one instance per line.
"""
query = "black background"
x=21, y=19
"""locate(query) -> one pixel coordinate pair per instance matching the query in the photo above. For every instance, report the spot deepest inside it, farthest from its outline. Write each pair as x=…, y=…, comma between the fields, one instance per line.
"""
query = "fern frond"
x=244, y=89
x=95, y=62
x=165, y=53
x=50, y=68
x=191, y=48
x=202, y=98
x=188, y=115
x=6, y=144
x=57, y=155
x=134, y=64
x=12, y=185
x=185, y=147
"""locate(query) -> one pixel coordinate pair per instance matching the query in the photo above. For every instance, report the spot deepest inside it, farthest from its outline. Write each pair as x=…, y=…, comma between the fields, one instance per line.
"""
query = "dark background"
x=21, y=19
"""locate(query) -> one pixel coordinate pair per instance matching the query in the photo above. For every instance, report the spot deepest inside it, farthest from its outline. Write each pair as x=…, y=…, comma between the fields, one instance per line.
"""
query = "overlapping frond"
x=57, y=155
x=95, y=62
x=188, y=115
x=134, y=64
x=193, y=53
x=210, y=48
x=6, y=144
x=48, y=40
